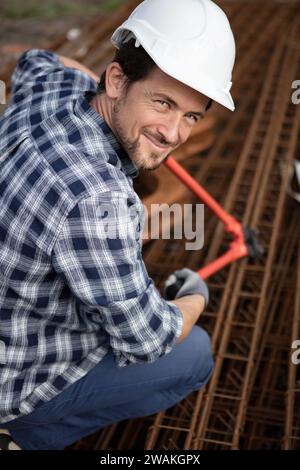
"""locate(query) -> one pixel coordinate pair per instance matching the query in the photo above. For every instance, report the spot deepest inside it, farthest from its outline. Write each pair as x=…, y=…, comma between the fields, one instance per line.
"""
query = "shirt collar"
x=83, y=106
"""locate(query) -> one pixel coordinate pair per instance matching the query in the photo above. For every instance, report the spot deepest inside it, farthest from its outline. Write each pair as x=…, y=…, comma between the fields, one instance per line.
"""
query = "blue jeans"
x=108, y=394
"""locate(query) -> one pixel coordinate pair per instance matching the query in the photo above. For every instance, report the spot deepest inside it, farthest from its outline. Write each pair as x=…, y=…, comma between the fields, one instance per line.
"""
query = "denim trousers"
x=108, y=394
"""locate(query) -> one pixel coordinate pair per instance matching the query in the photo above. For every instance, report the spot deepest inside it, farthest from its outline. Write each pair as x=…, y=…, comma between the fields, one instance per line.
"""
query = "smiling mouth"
x=154, y=143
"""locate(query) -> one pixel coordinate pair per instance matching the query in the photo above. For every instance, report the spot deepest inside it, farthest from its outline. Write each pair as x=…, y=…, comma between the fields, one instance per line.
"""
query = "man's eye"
x=162, y=102
x=193, y=117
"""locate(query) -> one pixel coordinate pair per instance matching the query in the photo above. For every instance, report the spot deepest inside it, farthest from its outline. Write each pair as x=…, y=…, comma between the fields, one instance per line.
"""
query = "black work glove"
x=185, y=282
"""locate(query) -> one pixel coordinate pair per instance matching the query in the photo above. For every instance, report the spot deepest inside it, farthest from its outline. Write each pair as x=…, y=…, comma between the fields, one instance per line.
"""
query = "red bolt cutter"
x=245, y=240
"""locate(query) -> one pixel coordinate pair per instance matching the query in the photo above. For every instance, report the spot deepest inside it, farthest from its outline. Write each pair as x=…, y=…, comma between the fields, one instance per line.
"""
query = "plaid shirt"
x=68, y=294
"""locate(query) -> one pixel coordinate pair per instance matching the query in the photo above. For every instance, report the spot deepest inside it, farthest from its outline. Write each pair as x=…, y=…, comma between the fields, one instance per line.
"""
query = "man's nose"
x=171, y=129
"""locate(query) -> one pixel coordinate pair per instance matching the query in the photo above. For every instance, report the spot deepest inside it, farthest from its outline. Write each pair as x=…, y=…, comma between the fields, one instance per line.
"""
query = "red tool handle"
x=238, y=248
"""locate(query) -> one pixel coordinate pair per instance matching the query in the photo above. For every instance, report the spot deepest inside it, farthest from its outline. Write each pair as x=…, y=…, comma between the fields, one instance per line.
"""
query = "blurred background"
x=247, y=162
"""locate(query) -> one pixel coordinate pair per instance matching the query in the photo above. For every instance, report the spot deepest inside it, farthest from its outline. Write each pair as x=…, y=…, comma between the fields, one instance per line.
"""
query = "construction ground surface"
x=243, y=159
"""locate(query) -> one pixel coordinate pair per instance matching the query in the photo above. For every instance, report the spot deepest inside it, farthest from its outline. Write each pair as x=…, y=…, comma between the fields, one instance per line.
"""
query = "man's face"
x=154, y=117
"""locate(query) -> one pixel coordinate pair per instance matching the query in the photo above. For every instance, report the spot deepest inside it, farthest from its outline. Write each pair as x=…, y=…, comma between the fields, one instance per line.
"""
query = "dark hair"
x=136, y=65
x=135, y=62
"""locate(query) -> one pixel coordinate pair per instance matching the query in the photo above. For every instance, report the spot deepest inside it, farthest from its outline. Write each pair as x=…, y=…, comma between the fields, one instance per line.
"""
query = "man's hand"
x=76, y=65
x=191, y=294
x=185, y=282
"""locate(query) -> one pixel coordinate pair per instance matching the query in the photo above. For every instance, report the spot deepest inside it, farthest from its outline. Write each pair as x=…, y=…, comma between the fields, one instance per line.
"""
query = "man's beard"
x=133, y=147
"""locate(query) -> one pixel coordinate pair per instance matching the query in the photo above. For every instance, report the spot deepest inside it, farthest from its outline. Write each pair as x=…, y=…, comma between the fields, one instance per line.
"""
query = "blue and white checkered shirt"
x=68, y=294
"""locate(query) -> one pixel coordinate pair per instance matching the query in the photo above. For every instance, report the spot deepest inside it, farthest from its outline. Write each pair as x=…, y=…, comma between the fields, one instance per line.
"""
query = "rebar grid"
x=269, y=375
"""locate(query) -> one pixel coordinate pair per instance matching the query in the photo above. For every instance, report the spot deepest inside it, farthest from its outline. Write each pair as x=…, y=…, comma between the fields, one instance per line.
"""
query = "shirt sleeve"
x=98, y=253
x=36, y=66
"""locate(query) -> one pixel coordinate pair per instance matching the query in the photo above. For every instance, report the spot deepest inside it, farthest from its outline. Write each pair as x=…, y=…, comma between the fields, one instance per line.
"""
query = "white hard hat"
x=190, y=40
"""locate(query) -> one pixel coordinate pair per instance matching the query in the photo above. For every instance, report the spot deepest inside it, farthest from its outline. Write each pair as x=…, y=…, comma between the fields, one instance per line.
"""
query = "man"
x=85, y=337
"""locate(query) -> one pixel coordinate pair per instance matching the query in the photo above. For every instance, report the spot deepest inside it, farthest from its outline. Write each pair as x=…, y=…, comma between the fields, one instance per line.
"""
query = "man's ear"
x=114, y=80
